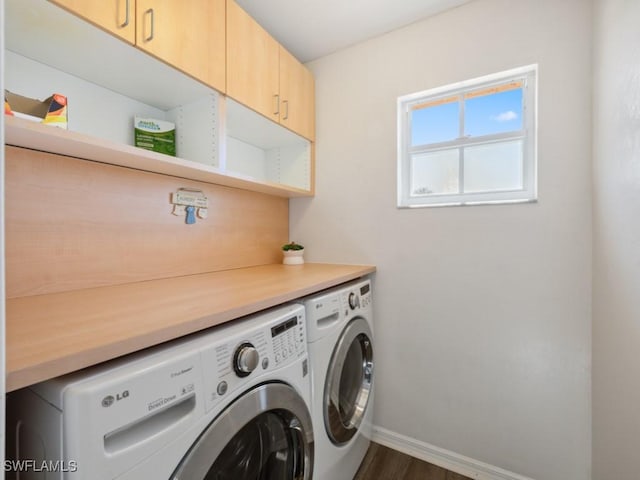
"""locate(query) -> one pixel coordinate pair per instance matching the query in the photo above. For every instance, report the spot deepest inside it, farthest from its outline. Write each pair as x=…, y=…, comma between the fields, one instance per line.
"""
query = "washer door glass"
x=264, y=449
x=348, y=385
x=264, y=435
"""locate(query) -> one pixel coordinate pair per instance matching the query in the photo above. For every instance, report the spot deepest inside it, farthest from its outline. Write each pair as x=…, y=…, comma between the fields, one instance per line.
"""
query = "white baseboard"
x=443, y=458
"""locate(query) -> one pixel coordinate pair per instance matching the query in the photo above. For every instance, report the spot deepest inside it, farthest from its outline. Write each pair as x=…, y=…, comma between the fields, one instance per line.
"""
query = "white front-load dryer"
x=231, y=403
x=340, y=334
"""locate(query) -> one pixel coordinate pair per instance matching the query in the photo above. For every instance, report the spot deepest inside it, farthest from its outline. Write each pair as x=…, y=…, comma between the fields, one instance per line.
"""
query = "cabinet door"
x=114, y=16
x=297, y=96
x=189, y=36
x=252, y=63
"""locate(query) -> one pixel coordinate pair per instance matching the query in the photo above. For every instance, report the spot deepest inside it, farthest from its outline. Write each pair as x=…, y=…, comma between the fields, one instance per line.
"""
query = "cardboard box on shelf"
x=52, y=111
x=156, y=135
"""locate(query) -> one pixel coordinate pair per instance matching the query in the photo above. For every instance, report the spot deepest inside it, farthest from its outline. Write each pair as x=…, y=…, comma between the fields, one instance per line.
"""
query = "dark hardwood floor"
x=382, y=463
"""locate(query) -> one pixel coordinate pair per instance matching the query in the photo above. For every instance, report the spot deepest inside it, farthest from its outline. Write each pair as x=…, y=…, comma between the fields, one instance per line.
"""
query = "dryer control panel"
x=357, y=298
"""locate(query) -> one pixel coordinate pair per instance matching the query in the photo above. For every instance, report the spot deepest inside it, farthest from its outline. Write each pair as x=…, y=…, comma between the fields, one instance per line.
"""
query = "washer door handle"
x=299, y=458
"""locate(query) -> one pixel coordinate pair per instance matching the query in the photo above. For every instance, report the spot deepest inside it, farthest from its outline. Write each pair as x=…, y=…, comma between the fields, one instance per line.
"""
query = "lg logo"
x=110, y=399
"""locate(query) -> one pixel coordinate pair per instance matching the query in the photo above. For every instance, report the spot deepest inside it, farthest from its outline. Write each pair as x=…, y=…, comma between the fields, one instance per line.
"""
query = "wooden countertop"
x=50, y=335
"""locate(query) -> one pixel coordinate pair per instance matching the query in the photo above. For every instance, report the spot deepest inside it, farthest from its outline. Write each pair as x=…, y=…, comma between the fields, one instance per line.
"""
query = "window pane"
x=493, y=167
x=493, y=113
x=434, y=172
x=437, y=122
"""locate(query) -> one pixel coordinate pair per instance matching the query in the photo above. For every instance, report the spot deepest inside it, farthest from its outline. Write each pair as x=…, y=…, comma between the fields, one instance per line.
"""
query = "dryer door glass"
x=348, y=384
x=351, y=378
x=266, y=434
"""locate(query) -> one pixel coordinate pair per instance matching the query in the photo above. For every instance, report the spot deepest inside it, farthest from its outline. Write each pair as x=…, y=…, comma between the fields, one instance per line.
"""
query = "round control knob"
x=353, y=301
x=246, y=359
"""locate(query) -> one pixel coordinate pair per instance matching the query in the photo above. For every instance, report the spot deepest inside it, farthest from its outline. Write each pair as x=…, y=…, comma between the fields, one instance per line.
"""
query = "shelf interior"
x=217, y=139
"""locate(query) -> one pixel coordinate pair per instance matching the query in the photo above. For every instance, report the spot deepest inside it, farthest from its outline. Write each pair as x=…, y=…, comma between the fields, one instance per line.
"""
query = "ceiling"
x=310, y=29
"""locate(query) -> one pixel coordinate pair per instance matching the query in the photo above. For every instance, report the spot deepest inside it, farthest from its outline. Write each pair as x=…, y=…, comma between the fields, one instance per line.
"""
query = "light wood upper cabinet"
x=297, y=94
x=262, y=75
x=252, y=63
x=114, y=16
x=188, y=35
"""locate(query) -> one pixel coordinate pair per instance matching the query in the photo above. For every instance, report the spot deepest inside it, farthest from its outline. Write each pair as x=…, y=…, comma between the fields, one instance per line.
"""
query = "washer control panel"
x=246, y=353
x=288, y=339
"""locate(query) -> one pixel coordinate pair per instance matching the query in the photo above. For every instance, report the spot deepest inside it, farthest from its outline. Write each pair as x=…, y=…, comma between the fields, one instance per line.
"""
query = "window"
x=469, y=143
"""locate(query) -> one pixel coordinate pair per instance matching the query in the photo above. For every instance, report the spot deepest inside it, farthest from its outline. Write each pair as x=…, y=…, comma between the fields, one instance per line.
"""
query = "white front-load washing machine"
x=230, y=403
x=340, y=335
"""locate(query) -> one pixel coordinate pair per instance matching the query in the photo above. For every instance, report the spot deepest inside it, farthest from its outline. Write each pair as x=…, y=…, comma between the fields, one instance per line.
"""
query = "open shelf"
x=108, y=82
x=35, y=136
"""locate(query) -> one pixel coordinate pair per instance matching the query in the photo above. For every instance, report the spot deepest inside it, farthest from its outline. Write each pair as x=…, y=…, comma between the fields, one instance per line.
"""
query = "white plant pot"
x=293, y=257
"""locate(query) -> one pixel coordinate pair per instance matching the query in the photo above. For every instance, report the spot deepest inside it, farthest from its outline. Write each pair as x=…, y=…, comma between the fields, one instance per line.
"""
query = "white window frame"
x=407, y=199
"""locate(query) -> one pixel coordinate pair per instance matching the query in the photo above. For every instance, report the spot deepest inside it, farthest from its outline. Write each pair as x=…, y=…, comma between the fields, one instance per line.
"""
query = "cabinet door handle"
x=286, y=109
x=150, y=14
x=126, y=17
x=276, y=111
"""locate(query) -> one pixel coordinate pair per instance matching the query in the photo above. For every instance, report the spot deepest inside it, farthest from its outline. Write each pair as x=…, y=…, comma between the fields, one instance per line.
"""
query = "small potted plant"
x=293, y=253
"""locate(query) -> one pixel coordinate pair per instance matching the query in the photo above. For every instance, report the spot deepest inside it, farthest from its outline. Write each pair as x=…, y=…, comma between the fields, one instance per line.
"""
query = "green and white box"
x=156, y=135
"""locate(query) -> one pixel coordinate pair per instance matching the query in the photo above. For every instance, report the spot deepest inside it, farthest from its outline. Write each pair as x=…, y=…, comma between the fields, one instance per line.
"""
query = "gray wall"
x=616, y=286
x=483, y=314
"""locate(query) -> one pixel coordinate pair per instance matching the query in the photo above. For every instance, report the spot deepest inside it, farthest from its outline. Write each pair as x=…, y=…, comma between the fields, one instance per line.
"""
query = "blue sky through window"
x=497, y=113
x=484, y=115
x=435, y=124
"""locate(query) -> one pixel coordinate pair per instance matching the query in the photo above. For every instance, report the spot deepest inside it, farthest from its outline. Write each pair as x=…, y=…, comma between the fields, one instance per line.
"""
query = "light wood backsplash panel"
x=73, y=224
